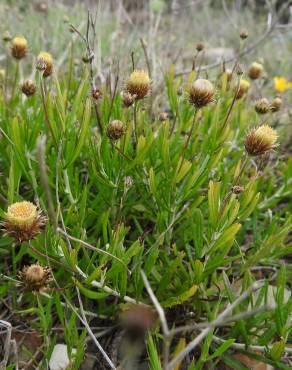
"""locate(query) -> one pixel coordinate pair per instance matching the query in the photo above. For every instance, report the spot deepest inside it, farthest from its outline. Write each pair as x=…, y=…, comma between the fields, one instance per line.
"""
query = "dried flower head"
x=116, y=129
x=243, y=34
x=23, y=221
x=138, y=84
x=6, y=37
x=200, y=46
x=255, y=70
x=28, y=87
x=138, y=317
x=128, y=99
x=35, y=278
x=242, y=89
x=260, y=140
x=19, y=47
x=44, y=63
x=276, y=104
x=236, y=189
x=96, y=94
x=201, y=93
x=262, y=106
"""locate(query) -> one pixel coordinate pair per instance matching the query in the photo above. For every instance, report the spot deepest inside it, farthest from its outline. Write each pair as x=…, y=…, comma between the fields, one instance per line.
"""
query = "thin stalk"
x=16, y=75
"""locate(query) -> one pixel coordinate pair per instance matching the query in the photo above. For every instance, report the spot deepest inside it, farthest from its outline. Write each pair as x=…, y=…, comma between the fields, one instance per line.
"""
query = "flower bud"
x=262, y=106
x=19, y=47
x=200, y=47
x=28, y=87
x=96, y=94
x=35, y=278
x=6, y=37
x=243, y=34
x=242, y=89
x=255, y=70
x=260, y=140
x=138, y=84
x=276, y=104
x=23, y=221
x=128, y=99
x=44, y=63
x=163, y=116
x=201, y=93
x=236, y=189
x=115, y=130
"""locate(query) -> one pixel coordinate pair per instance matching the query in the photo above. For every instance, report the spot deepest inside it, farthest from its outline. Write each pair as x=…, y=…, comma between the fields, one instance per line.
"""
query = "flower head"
x=276, y=104
x=35, y=278
x=28, y=87
x=281, y=84
x=116, y=129
x=242, y=89
x=44, y=63
x=260, y=140
x=262, y=106
x=201, y=93
x=138, y=84
x=19, y=47
x=128, y=99
x=255, y=70
x=23, y=221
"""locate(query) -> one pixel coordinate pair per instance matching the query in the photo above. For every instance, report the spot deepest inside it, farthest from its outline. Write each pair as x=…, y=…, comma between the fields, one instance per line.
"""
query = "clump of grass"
x=188, y=214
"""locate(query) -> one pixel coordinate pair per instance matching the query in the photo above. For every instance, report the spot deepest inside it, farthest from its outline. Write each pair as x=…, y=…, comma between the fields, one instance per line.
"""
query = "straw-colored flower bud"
x=116, y=129
x=35, y=278
x=276, y=104
x=128, y=99
x=260, y=140
x=243, y=34
x=28, y=87
x=23, y=221
x=6, y=37
x=44, y=63
x=19, y=47
x=255, y=70
x=242, y=89
x=262, y=106
x=201, y=93
x=138, y=84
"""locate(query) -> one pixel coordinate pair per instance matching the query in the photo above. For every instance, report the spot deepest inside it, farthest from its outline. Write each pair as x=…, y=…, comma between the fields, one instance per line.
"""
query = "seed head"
x=35, y=278
x=19, y=47
x=201, y=93
x=242, y=89
x=115, y=130
x=138, y=84
x=236, y=189
x=255, y=70
x=276, y=104
x=23, y=221
x=262, y=106
x=28, y=87
x=44, y=63
x=260, y=140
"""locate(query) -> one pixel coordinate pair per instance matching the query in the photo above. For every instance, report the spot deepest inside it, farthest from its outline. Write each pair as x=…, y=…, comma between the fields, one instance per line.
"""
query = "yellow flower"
x=260, y=140
x=22, y=213
x=44, y=63
x=19, y=47
x=281, y=84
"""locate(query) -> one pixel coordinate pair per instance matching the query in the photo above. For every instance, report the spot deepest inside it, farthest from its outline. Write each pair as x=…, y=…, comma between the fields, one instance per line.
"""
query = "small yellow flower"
x=44, y=63
x=138, y=84
x=260, y=140
x=23, y=221
x=19, y=47
x=281, y=84
x=21, y=213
